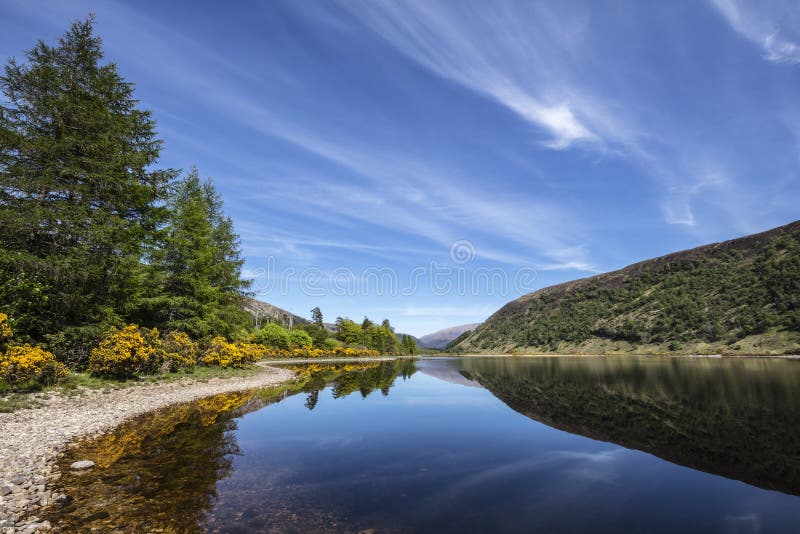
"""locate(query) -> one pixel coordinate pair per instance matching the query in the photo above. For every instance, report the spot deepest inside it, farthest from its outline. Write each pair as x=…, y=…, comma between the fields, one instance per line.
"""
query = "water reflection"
x=736, y=418
x=160, y=471
x=353, y=448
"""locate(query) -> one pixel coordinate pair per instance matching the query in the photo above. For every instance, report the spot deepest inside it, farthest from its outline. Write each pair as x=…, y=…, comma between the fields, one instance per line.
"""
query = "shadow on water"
x=738, y=418
x=159, y=471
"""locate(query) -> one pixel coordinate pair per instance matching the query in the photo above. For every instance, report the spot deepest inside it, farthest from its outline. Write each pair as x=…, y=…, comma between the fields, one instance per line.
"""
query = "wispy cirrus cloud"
x=497, y=53
x=537, y=61
x=773, y=26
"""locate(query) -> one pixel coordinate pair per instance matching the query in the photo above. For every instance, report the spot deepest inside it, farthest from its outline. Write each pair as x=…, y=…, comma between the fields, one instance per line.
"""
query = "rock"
x=17, y=480
x=5, y=490
x=82, y=465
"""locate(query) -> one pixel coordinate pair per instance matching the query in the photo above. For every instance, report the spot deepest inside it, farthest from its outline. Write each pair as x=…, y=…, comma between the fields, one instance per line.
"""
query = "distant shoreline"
x=614, y=355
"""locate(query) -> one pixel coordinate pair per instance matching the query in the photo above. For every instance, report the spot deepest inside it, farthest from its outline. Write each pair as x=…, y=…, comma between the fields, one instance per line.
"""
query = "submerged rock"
x=82, y=465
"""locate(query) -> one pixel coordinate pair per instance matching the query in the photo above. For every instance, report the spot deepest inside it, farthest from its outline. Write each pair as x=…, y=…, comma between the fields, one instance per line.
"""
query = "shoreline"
x=32, y=439
x=616, y=355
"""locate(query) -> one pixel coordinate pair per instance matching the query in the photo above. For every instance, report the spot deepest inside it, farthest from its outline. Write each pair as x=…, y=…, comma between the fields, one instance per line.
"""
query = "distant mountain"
x=440, y=338
x=265, y=312
x=740, y=296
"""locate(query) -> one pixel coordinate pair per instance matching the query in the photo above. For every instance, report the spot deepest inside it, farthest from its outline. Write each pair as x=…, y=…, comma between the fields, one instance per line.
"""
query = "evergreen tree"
x=79, y=197
x=197, y=271
x=316, y=317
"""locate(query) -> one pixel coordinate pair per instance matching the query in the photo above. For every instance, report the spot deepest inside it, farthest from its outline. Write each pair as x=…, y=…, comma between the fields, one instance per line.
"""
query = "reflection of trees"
x=158, y=472
x=378, y=377
x=739, y=419
x=345, y=379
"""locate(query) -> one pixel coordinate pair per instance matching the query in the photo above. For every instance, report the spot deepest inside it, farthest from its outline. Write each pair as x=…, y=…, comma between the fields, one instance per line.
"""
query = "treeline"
x=101, y=246
x=345, y=333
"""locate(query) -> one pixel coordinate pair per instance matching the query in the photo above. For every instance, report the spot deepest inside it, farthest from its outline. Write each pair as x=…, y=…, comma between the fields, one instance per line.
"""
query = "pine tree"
x=316, y=316
x=197, y=271
x=80, y=201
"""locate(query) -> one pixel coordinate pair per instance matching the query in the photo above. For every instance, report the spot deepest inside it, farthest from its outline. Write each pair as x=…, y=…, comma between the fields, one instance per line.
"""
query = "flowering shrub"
x=179, y=351
x=23, y=363
x=224, y=354
x=252, y=352
x=126, y=353
x=5, y=330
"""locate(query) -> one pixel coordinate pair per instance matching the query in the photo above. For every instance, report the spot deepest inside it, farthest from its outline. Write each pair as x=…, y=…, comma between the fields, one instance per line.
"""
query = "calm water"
x=463, y=445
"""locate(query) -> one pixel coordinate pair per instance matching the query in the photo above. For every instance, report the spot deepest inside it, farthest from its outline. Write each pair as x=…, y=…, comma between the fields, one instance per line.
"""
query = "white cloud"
x=766, y=24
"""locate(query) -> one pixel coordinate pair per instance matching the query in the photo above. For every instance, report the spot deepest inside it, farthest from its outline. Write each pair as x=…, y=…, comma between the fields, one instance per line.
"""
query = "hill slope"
x=738, y=296
x=265, y=312
x=440, y=338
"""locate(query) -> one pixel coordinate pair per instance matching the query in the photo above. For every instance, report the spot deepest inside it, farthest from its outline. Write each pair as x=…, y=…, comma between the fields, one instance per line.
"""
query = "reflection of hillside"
x=739, y=419
x=158, y=472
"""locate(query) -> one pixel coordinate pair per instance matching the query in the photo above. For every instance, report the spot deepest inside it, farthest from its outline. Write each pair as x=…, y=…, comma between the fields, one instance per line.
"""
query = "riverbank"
x=31, y=439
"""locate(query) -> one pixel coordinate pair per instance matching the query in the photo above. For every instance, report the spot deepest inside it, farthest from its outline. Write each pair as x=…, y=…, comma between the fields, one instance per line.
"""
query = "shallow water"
x=463, y=445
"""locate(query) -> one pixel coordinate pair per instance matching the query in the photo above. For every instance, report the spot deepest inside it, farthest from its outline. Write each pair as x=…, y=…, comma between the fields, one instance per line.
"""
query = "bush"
x=73, y=344
x=224, y=354
x=300, y=339
x=24, y=363
x=126, y=353
x=252, y=352
x=273, y=335
x=179, y=351
x=5, y=330
x=331, y=344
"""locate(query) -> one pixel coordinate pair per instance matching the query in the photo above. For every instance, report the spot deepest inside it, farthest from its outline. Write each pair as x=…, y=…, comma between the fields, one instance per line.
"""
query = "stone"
x=17, y=480
x=82, y=465
x=5, y=490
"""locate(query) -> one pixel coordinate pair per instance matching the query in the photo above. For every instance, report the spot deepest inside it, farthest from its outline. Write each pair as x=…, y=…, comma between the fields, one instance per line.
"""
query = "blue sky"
x=355, y=142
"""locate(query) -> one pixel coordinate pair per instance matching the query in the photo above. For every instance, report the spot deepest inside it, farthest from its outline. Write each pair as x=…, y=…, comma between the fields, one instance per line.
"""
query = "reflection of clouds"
x=743, y=523
x=586, y=467
x=598, y=466
x=435, y=400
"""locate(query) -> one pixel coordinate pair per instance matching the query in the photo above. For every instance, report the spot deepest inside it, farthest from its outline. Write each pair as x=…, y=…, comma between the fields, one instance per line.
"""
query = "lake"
x=558, y=444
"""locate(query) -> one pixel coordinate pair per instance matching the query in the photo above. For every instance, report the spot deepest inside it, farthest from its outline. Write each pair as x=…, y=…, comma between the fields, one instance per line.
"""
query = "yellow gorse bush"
x=126, y=353
x=22, y=363
x=5, y=329
x=225, y=354
x=179, y=351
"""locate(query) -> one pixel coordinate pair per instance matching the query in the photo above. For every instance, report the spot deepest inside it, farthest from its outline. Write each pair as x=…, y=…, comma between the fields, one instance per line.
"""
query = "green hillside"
x=740, y=296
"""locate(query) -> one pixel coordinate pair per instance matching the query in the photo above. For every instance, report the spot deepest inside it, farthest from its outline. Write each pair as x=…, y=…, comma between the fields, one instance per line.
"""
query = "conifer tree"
x=197, y=272
x=80, y=201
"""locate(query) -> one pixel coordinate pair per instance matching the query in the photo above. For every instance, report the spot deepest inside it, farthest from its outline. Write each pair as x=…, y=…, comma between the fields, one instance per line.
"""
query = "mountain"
x=740, y=296
x=440, y=338
x=265, y=312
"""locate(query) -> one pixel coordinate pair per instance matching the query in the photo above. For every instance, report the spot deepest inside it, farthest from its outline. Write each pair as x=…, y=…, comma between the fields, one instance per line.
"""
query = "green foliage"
x=316, y=317
x=300, y=339
x=318, y=334
x=409, y=345
x=80, y=197
x=196, y=273
x=273, y=335
x=331, y=343
x=348, y=332
x=719, y=294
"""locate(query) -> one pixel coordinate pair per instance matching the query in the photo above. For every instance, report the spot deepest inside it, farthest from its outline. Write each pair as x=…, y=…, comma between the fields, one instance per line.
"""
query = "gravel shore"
x=32, y=439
